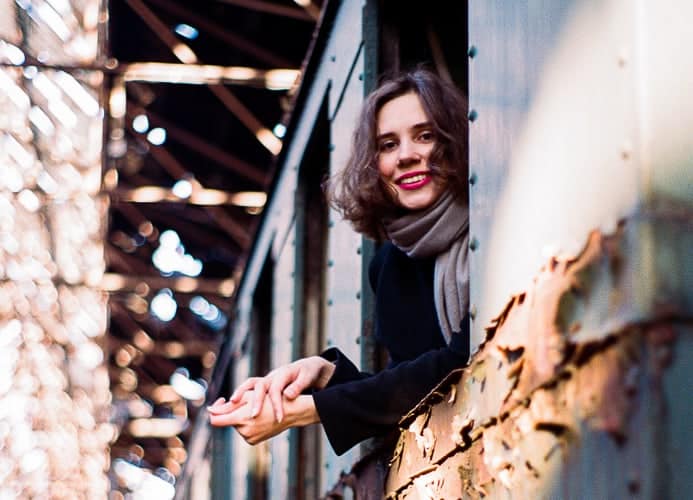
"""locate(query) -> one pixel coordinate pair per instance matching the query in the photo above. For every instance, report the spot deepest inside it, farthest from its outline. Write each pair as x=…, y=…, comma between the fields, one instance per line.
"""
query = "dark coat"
x=357, y=405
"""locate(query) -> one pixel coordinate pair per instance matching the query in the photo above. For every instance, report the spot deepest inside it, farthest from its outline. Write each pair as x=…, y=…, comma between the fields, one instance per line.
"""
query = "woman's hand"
x=257, y=428
x=284, y=383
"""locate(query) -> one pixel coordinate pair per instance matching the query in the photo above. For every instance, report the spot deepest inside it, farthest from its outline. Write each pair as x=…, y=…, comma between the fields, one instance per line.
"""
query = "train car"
x=581, y=199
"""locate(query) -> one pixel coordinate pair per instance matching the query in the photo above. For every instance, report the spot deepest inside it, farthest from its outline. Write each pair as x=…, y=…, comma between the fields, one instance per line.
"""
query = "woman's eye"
x=427, y=136
x=387, y=146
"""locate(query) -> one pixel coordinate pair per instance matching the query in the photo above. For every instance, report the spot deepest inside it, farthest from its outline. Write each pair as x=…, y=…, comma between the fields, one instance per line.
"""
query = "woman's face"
x=405, y=139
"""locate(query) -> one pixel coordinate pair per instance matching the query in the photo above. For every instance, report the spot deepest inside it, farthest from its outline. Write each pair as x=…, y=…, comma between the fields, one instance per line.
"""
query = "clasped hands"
x=255, y=419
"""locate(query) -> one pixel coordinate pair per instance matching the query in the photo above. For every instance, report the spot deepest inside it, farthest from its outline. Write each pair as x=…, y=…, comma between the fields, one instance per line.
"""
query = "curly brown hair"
x=357, y=190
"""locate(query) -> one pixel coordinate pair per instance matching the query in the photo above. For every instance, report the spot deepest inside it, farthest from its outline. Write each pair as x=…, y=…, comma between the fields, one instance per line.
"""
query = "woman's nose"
x=407, y=154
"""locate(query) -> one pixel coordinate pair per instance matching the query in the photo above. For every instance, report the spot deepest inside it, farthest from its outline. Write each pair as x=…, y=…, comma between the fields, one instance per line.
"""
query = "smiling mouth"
x=415, y=181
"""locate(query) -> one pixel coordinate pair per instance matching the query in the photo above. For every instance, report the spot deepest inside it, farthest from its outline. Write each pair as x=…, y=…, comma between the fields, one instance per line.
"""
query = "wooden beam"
x=247, y=118
x=196, y=223
x=115, y=256
x=311, y=9
x=215, y=153
x=272, y=8
x=172, y=349
x=235, y=230
x=223, y=34
x=117, y=282
x=186, y=55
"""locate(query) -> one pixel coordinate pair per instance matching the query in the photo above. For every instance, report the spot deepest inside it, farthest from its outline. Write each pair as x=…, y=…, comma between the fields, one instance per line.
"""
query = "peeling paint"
x=550, y=395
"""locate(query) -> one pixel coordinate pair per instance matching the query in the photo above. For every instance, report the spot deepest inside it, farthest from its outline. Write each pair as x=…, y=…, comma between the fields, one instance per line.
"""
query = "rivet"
x=358, y=251
x=472, y=311
x=333, y=58
x=331, y=147
x=472, y=51
x=473, y=244
x=626, y=150
x=472, y=115
x=329, y=302
x=358, y=295
x=361, y=76
x=622, y=58
x=358, y=340
x=330, y=223
x=330, y=263
x=472, y=178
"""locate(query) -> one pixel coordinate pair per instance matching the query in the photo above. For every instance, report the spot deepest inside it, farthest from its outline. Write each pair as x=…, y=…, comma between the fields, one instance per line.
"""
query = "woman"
x=405, y=182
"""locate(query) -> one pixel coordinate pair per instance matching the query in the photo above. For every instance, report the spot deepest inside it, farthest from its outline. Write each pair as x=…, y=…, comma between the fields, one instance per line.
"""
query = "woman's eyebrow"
x=417, y=126
x=422, y=125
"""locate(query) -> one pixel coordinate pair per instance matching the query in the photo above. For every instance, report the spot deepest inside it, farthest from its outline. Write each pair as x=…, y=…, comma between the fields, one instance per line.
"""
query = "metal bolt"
x=473, y=244
x=471, y=52
x=626, y=150
x=472, y=115
x=472, y=178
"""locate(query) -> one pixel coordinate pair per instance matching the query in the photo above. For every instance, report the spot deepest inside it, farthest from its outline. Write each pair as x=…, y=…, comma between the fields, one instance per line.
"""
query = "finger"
x=226, y=407
x=248, y=385
x=258, y=397
x=225, y=420
x=217, y=403
x=275, y=395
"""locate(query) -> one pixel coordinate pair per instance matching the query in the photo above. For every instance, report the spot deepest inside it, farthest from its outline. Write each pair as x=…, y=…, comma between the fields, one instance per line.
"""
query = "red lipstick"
x=413, y=180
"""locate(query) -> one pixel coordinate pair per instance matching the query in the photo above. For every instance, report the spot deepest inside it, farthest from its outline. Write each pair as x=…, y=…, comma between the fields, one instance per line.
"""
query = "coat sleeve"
x=356, y=406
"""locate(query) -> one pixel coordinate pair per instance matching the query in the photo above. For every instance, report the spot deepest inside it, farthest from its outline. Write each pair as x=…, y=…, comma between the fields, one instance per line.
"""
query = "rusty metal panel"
x=343, y=278
x=557, y=148
x=281, y=349
x=546, y=411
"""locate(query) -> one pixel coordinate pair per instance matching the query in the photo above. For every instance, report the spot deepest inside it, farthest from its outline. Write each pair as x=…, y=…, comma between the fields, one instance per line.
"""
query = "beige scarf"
x=441, y=230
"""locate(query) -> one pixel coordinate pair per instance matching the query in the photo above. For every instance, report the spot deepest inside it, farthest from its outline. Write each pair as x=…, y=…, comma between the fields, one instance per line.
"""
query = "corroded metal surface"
x=546, y=410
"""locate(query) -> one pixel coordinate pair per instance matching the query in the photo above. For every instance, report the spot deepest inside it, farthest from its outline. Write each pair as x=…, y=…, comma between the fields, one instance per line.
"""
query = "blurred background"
x=137, y=143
